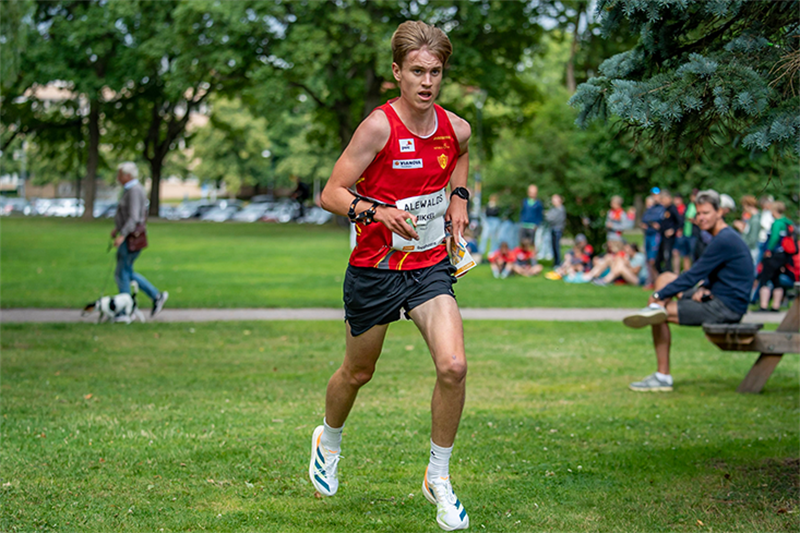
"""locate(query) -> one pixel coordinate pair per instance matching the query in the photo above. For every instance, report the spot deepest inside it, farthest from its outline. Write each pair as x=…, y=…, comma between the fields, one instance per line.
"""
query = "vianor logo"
x=403, y=164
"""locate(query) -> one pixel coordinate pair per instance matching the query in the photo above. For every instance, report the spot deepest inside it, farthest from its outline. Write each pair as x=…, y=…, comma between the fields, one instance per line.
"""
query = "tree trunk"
x=346, y=129
x=92, y=160
x=572, y=85
x=156, y=164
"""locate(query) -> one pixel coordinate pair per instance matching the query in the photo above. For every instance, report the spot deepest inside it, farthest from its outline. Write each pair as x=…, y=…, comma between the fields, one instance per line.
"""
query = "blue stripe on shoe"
x=319, y=453
x=322, y=482
x=463, y=513
x=319, y=467
x=458, y=503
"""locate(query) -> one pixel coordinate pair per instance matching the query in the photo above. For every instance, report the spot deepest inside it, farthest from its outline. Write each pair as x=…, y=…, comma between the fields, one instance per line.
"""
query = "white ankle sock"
x=667, y=378
x=331, y=437
x=439, y=465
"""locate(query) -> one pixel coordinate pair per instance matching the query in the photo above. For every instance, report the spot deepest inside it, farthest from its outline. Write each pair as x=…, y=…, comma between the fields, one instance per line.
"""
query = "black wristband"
x=461, y=192
x=351, y=213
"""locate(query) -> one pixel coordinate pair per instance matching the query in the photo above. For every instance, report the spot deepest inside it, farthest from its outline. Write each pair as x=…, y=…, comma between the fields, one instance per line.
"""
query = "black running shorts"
x=375, y=297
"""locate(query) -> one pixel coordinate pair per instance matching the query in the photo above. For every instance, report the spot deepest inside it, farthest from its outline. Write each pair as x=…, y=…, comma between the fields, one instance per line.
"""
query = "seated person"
x=726, y=270
x=629, y=267
x=500, y=260
x=578, y=259
x=600, y=264
x=524, y=260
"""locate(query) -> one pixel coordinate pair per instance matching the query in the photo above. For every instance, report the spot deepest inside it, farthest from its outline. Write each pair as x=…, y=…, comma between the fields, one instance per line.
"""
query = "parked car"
x=315, y=215
x=194, y=208
x=104, y=209
x=252, y=212
x=16, y=206
x=220, y=213
x=41, y=205
x=283, y=211
x=262, y=199
x=170, y=212
x=65, y=207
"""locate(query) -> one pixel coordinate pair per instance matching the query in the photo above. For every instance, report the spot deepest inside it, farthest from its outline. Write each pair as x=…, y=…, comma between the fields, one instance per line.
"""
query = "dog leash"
x=105, y=284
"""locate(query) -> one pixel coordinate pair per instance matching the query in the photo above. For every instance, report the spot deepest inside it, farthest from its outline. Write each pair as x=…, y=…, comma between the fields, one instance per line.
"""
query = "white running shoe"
x=649, y=316
x=322, y=469
x=450, y=513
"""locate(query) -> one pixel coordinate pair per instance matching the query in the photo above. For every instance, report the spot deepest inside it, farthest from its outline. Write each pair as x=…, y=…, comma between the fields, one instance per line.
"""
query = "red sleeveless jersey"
x=409, y=172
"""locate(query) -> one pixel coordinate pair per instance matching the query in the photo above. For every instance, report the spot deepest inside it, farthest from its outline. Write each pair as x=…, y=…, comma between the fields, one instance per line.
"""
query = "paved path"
x=8, y=316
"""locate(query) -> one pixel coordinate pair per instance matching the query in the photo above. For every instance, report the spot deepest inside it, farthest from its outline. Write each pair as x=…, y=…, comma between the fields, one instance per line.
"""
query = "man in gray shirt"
x=132, y=211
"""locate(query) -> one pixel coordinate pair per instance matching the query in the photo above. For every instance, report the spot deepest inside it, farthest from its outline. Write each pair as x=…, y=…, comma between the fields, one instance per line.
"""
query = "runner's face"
x=420, y=78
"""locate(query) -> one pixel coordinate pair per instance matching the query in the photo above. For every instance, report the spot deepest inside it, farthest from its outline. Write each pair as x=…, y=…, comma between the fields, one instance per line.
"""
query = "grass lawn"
x=179, y=427
x=63, y=263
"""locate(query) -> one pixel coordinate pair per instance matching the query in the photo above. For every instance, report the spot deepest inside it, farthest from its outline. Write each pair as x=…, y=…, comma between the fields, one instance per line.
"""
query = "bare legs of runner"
x=439, y=321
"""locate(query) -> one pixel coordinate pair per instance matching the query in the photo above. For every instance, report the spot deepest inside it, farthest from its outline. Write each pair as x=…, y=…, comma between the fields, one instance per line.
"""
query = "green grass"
x=181, y=427
x=63, y=263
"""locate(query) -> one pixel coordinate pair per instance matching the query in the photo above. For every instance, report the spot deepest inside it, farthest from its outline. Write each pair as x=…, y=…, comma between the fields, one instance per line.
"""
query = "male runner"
x=401, y=159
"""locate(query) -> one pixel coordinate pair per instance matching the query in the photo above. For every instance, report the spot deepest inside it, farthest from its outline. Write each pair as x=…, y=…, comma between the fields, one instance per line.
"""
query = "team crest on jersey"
x=407, y=145
x=442, y=161
x=404, y=164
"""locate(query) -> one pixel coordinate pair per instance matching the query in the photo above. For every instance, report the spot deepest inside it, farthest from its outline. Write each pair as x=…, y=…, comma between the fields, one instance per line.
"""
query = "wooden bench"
x=750, y=338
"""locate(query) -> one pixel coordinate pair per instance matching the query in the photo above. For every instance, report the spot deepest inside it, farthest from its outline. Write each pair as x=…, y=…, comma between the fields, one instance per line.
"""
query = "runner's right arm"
x=368, y=140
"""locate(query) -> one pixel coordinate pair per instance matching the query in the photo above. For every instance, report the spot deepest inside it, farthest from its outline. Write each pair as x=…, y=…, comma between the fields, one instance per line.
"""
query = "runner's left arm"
x=457, y=210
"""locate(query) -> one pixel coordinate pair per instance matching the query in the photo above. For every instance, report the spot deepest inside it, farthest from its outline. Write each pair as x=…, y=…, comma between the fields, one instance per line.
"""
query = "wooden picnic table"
x=750, y=338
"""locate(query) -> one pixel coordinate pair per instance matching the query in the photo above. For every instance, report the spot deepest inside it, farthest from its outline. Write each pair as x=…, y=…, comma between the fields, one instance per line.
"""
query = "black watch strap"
x=461, y=192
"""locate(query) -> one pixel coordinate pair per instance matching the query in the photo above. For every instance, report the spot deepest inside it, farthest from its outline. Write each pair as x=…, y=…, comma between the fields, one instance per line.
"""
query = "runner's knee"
x=453, y=371
x=358, y=377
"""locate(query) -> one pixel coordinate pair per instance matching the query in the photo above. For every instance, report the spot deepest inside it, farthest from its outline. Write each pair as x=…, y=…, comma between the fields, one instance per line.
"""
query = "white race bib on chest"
x=429, y=210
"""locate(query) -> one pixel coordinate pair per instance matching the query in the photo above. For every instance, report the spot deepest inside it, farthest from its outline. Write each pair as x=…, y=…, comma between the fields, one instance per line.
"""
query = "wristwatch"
x=461, y=192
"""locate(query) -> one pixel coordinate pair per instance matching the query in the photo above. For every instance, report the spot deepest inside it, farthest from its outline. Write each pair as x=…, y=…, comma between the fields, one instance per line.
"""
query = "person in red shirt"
x=401, y=160
x=524, y=259
x=501, y=260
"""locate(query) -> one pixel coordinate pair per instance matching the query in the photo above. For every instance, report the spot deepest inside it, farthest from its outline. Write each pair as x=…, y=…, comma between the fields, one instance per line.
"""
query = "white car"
x=65, y=207
x=252, y=212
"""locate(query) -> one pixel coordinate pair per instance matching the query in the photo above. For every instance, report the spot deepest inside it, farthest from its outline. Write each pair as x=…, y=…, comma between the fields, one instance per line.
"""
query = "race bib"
x=429, y=210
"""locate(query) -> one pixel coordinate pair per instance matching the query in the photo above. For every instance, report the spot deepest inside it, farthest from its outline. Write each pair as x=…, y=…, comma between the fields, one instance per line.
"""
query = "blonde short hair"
x=415, y=35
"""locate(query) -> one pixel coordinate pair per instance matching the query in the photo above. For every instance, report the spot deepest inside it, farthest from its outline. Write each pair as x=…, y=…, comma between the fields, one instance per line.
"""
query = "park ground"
x=192, y=427
x=49, y=263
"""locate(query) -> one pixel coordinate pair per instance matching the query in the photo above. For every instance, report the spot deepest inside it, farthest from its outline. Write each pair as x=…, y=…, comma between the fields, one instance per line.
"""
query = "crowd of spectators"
x=672, y=242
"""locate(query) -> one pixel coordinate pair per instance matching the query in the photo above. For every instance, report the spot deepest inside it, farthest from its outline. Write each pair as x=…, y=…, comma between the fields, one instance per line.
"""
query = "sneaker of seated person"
x=649, y=316
x=651, y=383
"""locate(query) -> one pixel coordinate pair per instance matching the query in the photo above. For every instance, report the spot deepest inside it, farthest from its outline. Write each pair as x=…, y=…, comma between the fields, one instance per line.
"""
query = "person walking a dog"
x=129, y=235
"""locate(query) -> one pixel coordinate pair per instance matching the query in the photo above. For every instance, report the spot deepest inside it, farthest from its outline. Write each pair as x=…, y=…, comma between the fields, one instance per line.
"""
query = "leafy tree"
x=702, y=69
x=340, y=57
x=77, y=43
x=186, y=51
x=587, y=166
x=233, y=147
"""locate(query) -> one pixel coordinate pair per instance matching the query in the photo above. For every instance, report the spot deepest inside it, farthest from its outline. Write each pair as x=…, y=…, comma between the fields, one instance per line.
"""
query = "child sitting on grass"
x=501, y=261
x=524, y=260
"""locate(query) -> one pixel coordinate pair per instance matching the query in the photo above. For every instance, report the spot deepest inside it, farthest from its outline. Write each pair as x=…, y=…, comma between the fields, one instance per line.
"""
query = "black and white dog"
x=119, y=308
